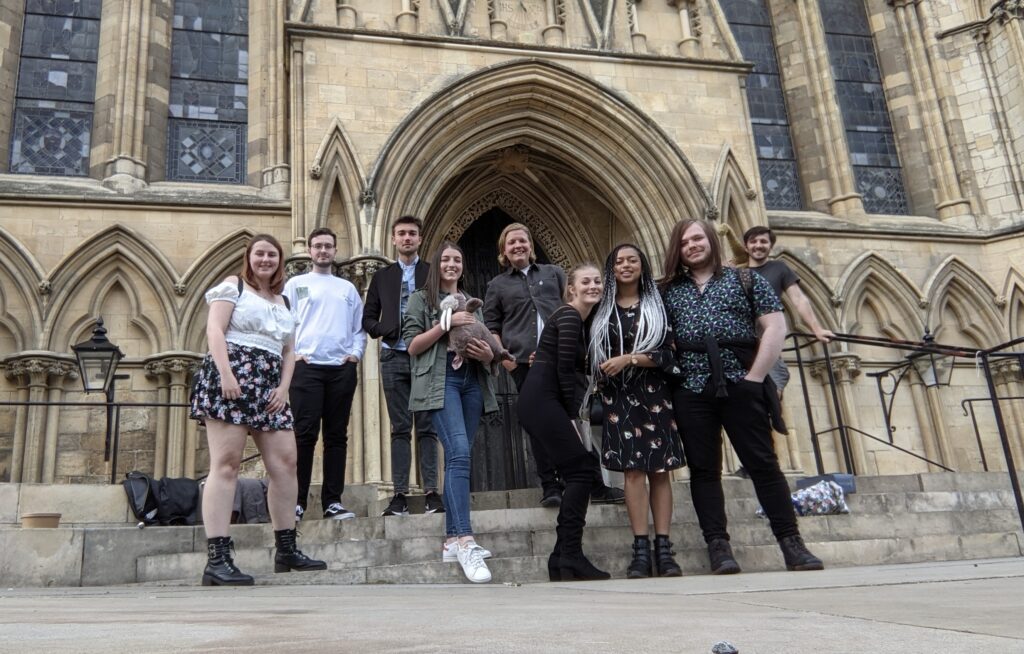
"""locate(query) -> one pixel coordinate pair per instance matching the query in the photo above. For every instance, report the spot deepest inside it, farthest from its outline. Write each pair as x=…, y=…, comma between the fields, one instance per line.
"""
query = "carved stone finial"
x=180, y=288
x=45, y=287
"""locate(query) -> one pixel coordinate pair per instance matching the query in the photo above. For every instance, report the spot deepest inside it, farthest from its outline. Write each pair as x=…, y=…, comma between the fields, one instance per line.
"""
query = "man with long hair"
x=716, y=315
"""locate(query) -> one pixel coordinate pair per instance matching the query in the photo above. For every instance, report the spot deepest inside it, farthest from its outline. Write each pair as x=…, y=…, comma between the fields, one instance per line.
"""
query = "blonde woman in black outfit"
x=548, y=404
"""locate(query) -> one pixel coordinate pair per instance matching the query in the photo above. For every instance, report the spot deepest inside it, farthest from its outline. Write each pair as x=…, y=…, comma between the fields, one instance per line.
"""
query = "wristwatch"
x=632, y=360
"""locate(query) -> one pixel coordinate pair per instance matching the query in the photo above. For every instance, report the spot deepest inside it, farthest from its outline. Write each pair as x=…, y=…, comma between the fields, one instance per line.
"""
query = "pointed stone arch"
x=340, y=177
x=624, y=156
x=872, y=282
x=139, y=321
x=116, y=249
x=20, y=307
x=223, y=258
x=736, y=199
x=815, y=288
x=955, y=289
x=1012, y=300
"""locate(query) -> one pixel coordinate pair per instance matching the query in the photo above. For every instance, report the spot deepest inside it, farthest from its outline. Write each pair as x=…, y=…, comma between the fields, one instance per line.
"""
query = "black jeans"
x=745, y=418
x=322, y=395
x=395, y=375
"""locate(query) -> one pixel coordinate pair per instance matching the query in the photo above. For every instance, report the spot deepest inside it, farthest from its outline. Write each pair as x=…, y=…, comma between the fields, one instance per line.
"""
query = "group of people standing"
x=663, y=363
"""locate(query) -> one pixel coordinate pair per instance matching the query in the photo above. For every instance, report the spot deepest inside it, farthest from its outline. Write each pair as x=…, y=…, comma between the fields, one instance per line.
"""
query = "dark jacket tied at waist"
x=745, y=350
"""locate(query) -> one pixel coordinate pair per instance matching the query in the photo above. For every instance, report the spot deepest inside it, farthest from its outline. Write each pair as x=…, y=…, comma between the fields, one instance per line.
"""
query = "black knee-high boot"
x=572, y=517
x=220, y=566
x=289, y=557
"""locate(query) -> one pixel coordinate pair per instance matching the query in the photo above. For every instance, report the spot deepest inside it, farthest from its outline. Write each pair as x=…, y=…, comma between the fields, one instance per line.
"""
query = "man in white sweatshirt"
x=329, y=343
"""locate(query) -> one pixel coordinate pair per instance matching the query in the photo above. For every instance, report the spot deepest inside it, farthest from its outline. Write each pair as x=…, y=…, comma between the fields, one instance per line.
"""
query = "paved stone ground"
x=948, y=608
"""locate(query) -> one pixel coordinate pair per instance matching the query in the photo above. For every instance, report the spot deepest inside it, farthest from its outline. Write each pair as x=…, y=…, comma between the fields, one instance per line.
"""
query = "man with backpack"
x=716, y=313
x=329, y=343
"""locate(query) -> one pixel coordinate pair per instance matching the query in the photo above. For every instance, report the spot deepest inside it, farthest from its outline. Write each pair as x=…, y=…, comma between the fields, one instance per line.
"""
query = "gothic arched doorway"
x=500, y=456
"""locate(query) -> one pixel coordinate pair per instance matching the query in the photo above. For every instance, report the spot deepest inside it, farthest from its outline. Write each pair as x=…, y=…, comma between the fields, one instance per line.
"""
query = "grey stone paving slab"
x=954, y=607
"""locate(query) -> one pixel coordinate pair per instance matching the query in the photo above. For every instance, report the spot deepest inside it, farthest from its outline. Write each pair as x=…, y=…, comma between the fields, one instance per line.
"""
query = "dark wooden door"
x=501, y=457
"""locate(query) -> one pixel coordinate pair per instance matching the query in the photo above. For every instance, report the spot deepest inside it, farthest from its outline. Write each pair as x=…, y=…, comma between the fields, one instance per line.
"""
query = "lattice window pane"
x=882, y=189
x=873, y=149
x=209, y=100
x=57, y=80
x=773, y=142
x=210, y=56
x=226, y=16
x=757, y=46
x=206, y=151
x=844, y=17
x=58, y=37
x=767, y=104
x=853, y=58
x=781, y=184
x=77, y=8
x=745, y=12
x=51, y=138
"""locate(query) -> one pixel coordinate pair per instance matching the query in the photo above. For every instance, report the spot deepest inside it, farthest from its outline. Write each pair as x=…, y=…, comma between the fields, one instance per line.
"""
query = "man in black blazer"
x=385, y=305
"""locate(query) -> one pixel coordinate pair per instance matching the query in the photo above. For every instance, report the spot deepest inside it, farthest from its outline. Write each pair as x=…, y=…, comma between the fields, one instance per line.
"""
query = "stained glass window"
x=752, y=27
x=53, y=109
x=869, y=135
x=209, y=100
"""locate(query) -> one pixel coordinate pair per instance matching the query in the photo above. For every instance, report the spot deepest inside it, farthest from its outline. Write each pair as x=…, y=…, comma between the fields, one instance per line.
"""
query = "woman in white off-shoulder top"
x=241, y=389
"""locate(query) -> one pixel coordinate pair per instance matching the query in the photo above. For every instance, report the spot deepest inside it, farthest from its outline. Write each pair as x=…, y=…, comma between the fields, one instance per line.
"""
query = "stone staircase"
x=894, y=519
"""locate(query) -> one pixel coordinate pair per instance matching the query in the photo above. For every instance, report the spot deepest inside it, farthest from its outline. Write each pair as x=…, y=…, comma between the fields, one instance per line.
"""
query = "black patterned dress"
x=640, y=430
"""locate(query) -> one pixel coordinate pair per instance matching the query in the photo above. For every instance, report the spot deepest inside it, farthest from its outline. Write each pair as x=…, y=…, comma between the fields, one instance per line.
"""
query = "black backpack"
x=141, y=496
x=166, y=502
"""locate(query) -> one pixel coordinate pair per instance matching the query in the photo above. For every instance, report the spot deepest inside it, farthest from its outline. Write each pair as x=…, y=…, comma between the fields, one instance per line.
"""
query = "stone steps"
x=895, y=519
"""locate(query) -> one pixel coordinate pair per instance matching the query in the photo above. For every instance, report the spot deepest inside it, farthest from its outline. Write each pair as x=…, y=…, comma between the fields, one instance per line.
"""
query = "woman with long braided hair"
x=629, y=350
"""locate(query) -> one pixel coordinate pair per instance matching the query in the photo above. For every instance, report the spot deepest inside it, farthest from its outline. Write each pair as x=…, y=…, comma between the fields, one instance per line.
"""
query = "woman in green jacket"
x=456, y=392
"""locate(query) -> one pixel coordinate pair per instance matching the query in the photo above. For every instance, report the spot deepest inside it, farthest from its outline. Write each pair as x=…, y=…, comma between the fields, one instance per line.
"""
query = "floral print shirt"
x=723, y=311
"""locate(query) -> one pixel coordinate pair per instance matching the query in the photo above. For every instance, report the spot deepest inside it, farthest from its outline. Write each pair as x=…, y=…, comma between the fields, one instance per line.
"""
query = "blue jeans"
x=456, y=425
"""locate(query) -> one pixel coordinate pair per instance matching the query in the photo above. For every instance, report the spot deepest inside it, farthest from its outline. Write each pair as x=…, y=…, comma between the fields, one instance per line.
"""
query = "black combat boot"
x=289, y=557
x=722, y=560
x=797, y=556
x=667, y=566
x=640, y=566
x=220, y=567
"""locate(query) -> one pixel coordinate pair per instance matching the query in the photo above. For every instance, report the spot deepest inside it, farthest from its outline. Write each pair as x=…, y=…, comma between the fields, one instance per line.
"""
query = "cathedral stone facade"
x=145, y=140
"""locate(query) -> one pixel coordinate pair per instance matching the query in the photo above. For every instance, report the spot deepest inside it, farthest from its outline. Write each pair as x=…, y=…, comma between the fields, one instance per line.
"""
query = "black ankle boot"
x=220, y=567
x=554, y=572
x=667, y=566
x=289, y=557
x=722, y=560
x=640, y=566
x=579, y=568
x=797, y=556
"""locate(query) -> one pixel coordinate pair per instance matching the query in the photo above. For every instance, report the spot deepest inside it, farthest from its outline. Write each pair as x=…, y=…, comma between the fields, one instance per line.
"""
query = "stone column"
x=689, y=44
x=39, y=376
x=926, y=428
x=554, y=33
x=121, y=79
x=369, y=452
x=638, y=38
x=929, y=98
x=407, y=20
x=499, y=28
x=1013, y=165
x=844, y=200
x=298, y=140
x=174, y=371
x=845, y=369
x=1006, y=373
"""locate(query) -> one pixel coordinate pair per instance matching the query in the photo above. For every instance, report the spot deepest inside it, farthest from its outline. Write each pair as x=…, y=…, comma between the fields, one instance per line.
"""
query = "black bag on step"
x=141, y=491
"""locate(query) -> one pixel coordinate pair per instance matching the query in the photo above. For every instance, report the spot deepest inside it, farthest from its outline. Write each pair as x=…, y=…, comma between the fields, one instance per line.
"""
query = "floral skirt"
x=258, y=373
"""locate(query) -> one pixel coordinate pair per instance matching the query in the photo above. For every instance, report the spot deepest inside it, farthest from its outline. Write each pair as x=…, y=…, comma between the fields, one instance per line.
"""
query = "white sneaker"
x=471, y=557
x=299, y=511
x=450, y=552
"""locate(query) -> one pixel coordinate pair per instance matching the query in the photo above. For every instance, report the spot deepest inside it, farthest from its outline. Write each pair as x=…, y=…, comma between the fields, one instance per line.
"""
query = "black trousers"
x=745, y=418
x=545, y=468
x=321, y=396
